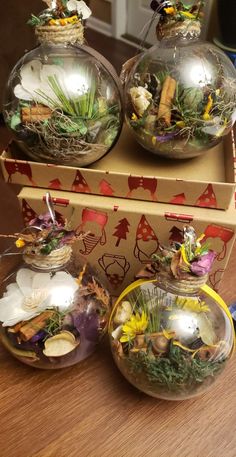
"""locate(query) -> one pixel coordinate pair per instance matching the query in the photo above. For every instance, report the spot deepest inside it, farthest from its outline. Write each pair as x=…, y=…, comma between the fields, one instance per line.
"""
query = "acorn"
x=206, y=352
x=160, y=344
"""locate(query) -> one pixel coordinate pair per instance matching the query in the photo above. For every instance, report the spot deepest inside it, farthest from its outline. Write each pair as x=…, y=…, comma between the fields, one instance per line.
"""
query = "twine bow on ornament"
x=185, y=261
x=45, y=242
x=61, y=22
x=178, y=18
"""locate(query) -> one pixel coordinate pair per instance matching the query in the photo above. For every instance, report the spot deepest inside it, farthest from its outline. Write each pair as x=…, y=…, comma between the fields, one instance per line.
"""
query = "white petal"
x=30, y=75
x=11, y=311
x=13, y=287
x=81, y=7
x=62, y=289
x=48, y=96
x=21, y=93
x=52, y=70
x=24, y=279
x=41, y=281
x=65, y=279
x=71, y=5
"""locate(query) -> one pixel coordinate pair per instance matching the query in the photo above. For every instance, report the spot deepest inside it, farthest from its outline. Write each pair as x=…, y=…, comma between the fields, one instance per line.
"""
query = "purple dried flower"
x=68, y=238
x=203, y=265
x=38, y=336
x=87, y=324
x=43, y=221
x=164, y=138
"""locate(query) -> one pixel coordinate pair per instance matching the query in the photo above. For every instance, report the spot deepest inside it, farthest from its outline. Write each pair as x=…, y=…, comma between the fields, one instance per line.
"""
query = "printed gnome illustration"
x=146, y=241
x=94, y=222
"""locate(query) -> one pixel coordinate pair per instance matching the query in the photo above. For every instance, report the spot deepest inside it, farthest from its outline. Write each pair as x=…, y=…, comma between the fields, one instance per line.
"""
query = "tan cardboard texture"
x=128, y=171
x=123, y=234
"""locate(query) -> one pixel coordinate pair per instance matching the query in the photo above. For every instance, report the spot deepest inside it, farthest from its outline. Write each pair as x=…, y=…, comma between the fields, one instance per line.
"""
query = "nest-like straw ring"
x=66, y=150
x=56, y=148
x=70, y=33
x=55, y=259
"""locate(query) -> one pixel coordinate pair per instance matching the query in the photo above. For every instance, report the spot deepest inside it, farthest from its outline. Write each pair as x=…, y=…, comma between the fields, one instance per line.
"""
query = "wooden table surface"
x=91, y=410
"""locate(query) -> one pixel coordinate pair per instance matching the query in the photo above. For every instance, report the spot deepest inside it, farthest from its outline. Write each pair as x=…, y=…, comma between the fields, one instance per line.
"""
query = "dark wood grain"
x=91, y=410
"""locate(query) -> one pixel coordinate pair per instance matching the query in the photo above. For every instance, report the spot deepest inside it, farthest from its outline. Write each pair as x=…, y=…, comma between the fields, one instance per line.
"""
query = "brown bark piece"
x=32, y=327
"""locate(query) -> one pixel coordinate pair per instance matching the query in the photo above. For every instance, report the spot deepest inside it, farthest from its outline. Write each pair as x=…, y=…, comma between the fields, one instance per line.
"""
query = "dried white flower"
x=34, y=292
x=79, y=6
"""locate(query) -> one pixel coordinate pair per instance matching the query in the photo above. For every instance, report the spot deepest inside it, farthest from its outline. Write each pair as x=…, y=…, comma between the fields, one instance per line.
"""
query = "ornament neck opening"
x=60, y=35
x=187, y=286
x=186, y=31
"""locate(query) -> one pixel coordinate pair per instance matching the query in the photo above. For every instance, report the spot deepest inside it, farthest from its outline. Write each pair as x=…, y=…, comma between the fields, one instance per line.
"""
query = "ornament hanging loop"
x=50, y=206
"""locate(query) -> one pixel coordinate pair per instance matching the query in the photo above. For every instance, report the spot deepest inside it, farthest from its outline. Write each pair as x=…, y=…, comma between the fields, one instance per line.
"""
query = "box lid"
x=131, y=172
x=70, y=201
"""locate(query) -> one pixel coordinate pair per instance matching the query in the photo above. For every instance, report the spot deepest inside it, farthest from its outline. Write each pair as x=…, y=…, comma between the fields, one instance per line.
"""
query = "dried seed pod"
x=60, y=344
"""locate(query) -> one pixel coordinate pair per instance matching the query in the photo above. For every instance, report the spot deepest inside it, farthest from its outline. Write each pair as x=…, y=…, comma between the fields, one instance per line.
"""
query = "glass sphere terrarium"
x=63, y=99
x=171, y=335
x=54, y=310
x=180, y=95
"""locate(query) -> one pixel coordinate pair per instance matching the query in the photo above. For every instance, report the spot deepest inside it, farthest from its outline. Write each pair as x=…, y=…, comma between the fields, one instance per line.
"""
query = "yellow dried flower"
x=187, y=14
x=20, y=243
x=154, y=140
x=180, y=124
x=170, y=10
x=192, y=304
x=206, y=116
x=137, y=324
x=134, y=117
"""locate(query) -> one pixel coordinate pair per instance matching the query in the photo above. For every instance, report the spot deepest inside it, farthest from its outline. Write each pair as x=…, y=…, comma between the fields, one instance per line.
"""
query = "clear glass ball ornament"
x=171, y=339
x=63, y=104
x=53, y=310
x=180, y=95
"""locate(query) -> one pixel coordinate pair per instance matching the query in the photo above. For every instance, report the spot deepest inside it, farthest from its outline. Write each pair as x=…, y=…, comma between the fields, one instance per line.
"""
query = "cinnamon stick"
x=35, y=325
x=35, y=113
x=167, y=95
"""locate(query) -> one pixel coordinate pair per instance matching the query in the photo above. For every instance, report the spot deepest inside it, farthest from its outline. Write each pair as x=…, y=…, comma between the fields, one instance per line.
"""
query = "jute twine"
x=185, y=29
x=187, y=285
x=60, y=34
x=55, y=259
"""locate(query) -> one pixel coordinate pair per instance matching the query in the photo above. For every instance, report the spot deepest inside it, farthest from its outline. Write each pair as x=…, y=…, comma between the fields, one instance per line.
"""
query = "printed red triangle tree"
x=176, y=235
x=55, y=184
x=80, y=184
x=27, y=212
x=178, y=199
x=105, y=188
x=121, y=230
x=208, y=198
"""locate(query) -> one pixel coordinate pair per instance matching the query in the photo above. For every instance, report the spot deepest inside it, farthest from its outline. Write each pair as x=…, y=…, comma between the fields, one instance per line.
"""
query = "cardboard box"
x=125, y=233
x=129, y=171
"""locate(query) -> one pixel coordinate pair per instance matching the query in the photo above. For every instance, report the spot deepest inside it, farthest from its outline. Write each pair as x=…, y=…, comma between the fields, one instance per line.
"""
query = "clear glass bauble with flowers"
x=171, y=335
x=180, y=95
x=53, y=308
x=169, y=343
x=63, y=99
